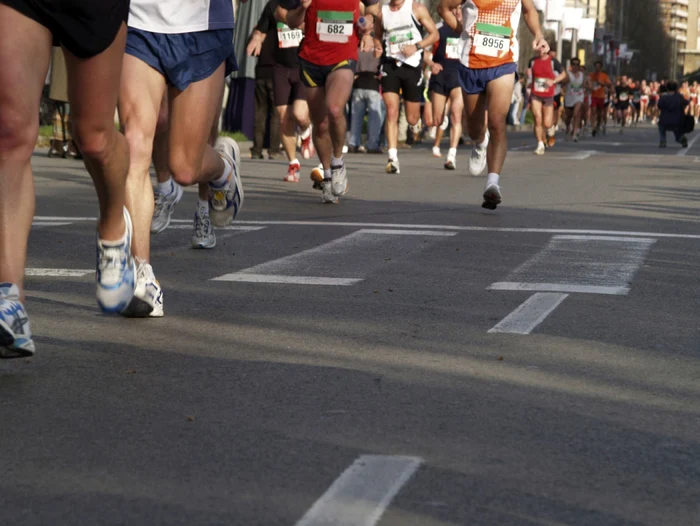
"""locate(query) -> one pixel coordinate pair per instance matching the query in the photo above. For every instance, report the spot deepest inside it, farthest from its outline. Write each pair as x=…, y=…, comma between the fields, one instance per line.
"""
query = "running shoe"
x=662, y=144
x=203, y=236
x=293, y=172
x=15, y=333
x=116, y=271
x=164, y=207
x=684, y=142
x=148, y=296
x=450, y=163
x=477, y=159
x=551, y=141
x=392, y=166
x=339, y=180
x=492, y=197
x=328, y=197
x=436, y=152
x=317, y=177
x=227, y=200
x=307, y=147
x=540, y=149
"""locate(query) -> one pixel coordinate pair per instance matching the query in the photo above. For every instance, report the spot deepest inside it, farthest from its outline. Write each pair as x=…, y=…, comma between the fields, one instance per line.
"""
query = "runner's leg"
x=338, y=90
x=498, y=96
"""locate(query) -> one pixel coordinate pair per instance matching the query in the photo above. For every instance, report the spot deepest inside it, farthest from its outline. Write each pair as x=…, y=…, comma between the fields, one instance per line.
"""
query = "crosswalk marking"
x=363, y=492
x=58, y=272
x=290, y=280
x=530, y=314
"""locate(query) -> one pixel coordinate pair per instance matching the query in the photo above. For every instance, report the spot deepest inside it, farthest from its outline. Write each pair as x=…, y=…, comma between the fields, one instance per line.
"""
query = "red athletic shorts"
x=597, y=103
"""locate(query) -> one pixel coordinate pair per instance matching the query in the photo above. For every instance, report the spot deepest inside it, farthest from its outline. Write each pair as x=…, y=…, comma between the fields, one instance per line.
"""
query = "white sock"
x=305, y=134
x=294, y=161
x=452, y=152
x=540, y=143
x=485, y=142
x=492, y=179
x=166, y=187
x=552, y=131
x=393, y=154
x=327, y=174
x=221, y=181
x=117, y=243
x=203, y=205
x=336, y=162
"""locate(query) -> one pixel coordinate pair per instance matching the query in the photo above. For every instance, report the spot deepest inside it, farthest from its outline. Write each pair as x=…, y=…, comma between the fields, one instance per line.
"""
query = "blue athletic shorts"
x=184, y=58
x=474, y=81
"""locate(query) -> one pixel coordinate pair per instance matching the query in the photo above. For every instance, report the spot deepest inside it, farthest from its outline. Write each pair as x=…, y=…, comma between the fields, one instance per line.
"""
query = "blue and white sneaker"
x=116, y=271
x=227, y=200
x=164, y=207
x=204, y=236
x=147, y=301
x=15, y=334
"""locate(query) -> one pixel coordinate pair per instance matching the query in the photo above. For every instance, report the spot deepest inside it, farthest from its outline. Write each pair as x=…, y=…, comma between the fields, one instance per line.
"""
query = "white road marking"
x=530, y=314
x=560, y=287
x=190, y=226
x=581, y=156
x=50, y=223
x=684, y=151
x=242, y=277
x=454, y=228
x=58, y=272
x=362, y=493
x=376, y=246
x=578, y=263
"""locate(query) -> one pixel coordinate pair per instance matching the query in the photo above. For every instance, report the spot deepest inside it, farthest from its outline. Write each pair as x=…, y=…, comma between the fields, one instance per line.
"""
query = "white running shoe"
x=492, y=197
x=15, y=333
x=148, y=296
x=339, y=180
x=392, y=166
x=540, y=149
x=165, y=206
x=450, y=163
x=328, y=197
x=116, y=271
x=225, y=202
x=436, y=152
x=477, y=159
x=203, y=236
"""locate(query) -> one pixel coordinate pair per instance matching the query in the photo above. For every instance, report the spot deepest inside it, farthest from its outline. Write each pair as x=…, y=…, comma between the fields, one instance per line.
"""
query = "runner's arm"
x=372, y=7
x=292, y=12
x=445, y=9
x=255, y=44
x=532, y=20
x=423, y=16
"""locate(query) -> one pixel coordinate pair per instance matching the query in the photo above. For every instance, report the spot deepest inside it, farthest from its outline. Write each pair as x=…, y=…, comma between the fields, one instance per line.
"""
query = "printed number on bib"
x=541, y=85
x=335, y=26
x=397, y=41
x=288, y=37
x=491, y=40
x=452, y=49
x=624, y=97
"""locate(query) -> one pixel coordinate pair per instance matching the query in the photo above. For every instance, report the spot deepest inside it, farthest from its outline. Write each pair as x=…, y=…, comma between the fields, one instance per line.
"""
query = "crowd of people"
x=319, y=62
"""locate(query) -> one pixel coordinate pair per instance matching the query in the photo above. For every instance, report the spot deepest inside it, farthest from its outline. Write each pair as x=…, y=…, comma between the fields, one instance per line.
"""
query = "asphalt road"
x=402, y=358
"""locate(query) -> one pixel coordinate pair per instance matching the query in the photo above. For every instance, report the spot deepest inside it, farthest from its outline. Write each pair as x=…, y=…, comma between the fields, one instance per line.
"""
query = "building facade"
x=681, y=19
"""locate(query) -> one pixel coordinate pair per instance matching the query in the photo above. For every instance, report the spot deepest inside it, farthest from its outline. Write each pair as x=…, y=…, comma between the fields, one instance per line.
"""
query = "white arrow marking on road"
x=363, y=492
x=530, y=314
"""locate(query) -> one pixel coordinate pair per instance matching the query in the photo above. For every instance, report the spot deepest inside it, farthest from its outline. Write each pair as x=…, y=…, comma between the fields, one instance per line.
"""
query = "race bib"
x=541, y=84
x=576, y=90
x=452, y=49
x=399, y=39
x=623, y=97
x=288, y=37
x=491, y=40
x=335, y=26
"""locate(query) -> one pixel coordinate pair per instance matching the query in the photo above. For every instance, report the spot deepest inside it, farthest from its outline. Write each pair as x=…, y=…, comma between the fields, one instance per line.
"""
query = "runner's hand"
x=409, y=50
x=436, y=68
x=254, y=48
x=305, y=4
x=367, y=43
x=540, y=44
x=549, y=82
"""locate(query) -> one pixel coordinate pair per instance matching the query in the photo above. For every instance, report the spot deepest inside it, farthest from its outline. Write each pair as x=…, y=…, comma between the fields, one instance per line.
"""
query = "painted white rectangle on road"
x=581, y=156
x=290, y=280
x=344, y=261
x=362, y=493
x=684, y=151
x=530, y=314
x=49, y=223
x=581, y=263
x=58, y=272
x=189, y=226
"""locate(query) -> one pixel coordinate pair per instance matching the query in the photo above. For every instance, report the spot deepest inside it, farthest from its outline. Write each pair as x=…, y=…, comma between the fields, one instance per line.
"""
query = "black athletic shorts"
x=557, y=101
x=287, y=85
x=444, y=82
x=314, y=76
x=403, y=79
x=84, y=27
x=622, y=106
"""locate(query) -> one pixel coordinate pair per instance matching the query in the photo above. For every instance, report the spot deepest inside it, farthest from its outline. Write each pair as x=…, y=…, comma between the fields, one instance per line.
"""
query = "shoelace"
x=203, y=225
x=111, y=258
x=160, y=201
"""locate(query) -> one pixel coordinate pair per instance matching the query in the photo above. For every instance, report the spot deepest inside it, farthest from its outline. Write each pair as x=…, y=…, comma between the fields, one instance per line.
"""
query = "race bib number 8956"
x=491, y=40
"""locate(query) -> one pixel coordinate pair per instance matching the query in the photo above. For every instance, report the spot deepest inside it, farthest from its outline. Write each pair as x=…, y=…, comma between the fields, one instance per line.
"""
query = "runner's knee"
x=183, y=168
x=94, y=140
x=18, y=133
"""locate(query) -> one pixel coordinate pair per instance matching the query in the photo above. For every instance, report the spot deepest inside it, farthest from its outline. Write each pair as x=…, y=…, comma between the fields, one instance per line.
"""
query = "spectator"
x=265, y=111
x=62, y=144
x=366, y=99
x=672, y=106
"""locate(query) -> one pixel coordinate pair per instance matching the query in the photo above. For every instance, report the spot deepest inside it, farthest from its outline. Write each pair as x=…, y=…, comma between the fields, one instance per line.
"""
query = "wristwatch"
x=418, y=46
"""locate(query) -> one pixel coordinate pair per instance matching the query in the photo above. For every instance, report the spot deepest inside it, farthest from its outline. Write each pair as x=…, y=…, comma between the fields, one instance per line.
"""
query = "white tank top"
x=574, y=91
x=400, y=29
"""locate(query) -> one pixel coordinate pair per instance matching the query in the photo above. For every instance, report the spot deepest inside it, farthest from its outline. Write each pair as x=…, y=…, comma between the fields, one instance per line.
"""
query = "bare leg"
x=538, y=114
x=288, y=128
x=392, y=101
x=25, y=50
x=498, y=95
x=316, y=98
x=338, y=90
x=456, y=109
x=476, y=116
x=160, y=144
x=140, y=103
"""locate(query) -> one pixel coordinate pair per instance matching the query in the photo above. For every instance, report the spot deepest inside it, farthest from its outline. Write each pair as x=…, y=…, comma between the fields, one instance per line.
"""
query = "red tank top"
x=330, y=34
x=542, y=68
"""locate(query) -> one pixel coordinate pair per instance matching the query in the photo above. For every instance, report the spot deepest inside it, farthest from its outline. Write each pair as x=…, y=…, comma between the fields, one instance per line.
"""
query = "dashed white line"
x=241, y=277
x=560, y=287
x=58, y=272
x=362, y=493
x=530, y=314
